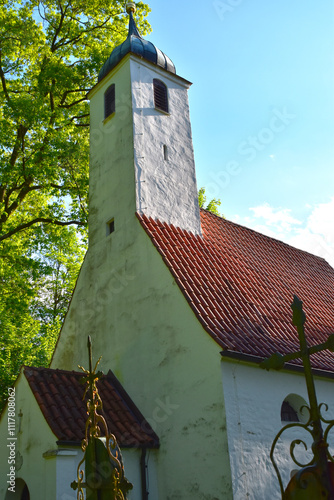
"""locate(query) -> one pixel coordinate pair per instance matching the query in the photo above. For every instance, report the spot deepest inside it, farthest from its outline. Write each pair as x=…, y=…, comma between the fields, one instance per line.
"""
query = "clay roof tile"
x=240, y=285
x=66, y=412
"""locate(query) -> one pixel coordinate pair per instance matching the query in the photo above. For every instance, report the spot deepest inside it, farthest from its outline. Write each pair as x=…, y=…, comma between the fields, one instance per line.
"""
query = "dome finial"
x=130, y=7
x=136, y=45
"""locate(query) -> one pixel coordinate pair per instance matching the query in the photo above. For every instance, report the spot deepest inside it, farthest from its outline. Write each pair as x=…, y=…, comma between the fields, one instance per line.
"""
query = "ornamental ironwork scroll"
x=104, y=477
x=315, y=479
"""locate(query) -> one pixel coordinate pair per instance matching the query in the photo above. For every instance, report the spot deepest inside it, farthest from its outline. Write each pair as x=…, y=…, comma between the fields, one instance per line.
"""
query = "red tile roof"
x=59, y=394
x=240, y=285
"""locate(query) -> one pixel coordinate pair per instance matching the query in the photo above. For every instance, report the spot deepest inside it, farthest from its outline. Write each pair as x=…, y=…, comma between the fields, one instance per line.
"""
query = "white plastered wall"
x=166, y=187
x=253, y=400
x=128, y=170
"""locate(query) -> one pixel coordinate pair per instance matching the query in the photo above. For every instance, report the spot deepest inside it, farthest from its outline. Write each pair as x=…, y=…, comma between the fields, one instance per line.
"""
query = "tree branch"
x=21, y=132
x=73, y=103
x=58, y=29
x=44, y=220
x=20, y=197
x=3, y=80
x=62, y=43
x=78, y=116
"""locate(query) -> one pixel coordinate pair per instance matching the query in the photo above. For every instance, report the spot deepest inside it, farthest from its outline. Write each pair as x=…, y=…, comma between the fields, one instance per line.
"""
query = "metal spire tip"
x=130, y=7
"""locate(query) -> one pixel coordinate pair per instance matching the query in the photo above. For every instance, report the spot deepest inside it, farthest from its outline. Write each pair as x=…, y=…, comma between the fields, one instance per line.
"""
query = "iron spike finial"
x=298, y=316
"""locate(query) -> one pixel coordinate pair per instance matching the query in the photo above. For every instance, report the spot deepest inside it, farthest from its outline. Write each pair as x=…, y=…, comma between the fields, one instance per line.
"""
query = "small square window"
x=110, y=226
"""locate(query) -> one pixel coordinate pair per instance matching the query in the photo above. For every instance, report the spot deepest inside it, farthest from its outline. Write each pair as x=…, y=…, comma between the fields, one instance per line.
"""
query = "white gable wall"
x=139, y=320
x=253, y=399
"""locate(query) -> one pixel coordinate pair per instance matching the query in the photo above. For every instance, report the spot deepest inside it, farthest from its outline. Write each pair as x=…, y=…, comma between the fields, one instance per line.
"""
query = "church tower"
x=142, y=156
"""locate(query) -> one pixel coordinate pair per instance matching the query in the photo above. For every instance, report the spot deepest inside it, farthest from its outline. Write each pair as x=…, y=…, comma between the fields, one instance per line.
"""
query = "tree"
x=212, y=206
x=50, y=55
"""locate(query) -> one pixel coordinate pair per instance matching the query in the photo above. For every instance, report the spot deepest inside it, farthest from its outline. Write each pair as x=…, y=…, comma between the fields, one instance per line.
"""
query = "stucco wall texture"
x=253, y=400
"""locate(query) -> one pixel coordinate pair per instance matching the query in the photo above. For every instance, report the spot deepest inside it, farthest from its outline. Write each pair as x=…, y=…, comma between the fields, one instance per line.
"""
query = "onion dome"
x=135, y=44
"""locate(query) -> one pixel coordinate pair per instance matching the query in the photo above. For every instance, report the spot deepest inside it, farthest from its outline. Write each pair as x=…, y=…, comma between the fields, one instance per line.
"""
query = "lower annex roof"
x=59, y=394
x=240, y=285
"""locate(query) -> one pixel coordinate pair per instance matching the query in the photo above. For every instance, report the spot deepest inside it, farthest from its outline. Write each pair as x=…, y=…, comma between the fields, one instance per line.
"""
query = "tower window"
x=165, y=149
x=110, y=227
x=109, y=101
x=160, y=95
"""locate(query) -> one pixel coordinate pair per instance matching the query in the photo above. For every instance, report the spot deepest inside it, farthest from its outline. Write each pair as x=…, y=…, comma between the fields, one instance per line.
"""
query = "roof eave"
x=288, y=367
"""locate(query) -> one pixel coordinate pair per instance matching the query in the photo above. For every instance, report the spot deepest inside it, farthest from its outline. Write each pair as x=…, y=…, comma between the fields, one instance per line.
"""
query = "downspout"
x=143, y=470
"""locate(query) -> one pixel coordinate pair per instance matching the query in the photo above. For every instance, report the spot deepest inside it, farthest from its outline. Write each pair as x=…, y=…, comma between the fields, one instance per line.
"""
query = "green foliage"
x=50, y=54
x=38, y=270
x=212, y=206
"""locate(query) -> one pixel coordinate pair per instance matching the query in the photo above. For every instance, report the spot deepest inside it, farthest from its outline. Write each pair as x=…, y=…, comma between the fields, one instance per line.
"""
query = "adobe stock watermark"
x=117, y=282
x=163, y=410
x=224, y=8
x=249, y=150
x=11, y=444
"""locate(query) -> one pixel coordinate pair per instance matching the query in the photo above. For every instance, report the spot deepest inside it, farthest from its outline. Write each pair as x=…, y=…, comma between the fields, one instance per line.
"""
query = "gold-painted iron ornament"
x=104, y=469
x=315, y=479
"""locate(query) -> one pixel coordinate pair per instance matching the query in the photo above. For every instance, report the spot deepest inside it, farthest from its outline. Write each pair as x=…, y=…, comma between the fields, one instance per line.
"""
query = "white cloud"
x=315, y=234
x=278, y=218
x=318, y=235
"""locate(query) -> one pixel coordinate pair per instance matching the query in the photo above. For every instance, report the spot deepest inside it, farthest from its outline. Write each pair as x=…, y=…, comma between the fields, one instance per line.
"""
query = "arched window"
x=288, y=414
x=292, y=409
x=25, y=493
x=21, y=491
x=160, y=95
x=109, y=101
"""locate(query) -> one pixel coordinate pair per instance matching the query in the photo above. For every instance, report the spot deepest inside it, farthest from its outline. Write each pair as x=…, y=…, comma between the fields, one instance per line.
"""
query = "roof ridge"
x=58, y=370
x=233, y=223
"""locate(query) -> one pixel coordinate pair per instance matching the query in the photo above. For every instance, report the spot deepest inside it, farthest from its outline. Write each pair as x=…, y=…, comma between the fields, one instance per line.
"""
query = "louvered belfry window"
x=109, y=101
x=160, y=95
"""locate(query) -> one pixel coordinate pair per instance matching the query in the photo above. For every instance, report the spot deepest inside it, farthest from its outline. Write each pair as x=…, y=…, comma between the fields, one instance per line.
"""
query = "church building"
x=182, y=304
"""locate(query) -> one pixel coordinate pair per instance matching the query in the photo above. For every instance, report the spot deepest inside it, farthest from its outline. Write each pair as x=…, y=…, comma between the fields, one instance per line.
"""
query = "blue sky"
x=262, y=109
